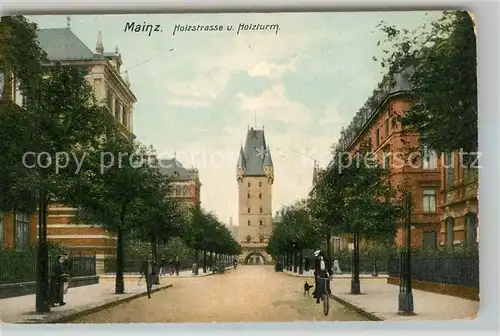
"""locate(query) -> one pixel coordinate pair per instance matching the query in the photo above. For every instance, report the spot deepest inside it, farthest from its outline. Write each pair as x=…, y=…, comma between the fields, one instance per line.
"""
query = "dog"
x=307, y=288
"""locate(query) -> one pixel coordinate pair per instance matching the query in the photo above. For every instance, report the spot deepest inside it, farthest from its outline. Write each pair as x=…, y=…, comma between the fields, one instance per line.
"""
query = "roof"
x=61, y=44
x=172, y=167
x=256, y=154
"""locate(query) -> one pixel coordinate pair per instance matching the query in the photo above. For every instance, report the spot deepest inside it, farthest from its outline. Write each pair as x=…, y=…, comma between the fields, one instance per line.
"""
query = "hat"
x=316, y=253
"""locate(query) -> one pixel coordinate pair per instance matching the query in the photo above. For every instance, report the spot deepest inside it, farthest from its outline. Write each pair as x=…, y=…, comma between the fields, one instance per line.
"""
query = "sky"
x=199, y=91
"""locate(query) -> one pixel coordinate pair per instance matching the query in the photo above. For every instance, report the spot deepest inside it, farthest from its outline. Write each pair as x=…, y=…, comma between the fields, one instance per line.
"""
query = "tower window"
x=260, y=184
x=249, y=184
x=249, y=239
x=261, y=223
x=248, y=195
x=261, y=239
x=248, y=210
x=260, y=209
x=248, y=222
x=260, y=196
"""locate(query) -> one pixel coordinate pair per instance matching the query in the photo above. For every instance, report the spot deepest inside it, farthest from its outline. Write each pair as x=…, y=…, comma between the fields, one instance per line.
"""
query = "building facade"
x=459, y=200
x=411, y=167
x=186, y=185
x=255, y=177
x=17, y=229
x=112, y=90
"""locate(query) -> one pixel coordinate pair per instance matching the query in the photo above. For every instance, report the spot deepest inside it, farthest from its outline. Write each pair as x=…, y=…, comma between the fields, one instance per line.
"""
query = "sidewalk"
x=379, y=302
x=79, y=301
x=310, y=274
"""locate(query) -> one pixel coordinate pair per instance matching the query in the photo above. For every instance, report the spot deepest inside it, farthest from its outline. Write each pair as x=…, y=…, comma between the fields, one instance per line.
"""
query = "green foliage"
x=297, y=230
x=442, y=69
x=355, y=196
x=205, y=232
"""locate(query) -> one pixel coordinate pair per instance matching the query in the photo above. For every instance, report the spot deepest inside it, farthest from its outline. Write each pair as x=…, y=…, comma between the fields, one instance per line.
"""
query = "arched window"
x=249, y=184
x=249, y=239
x=450, y=231
x=261, y=222
x=261, y=239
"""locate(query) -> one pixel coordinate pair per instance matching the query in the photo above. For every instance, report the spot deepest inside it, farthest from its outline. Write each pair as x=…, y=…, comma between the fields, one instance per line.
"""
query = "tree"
x=295, y=232
x=59, y=116
x=108, y=193
x=356, y=192
x=156, y=217
x=441, y=66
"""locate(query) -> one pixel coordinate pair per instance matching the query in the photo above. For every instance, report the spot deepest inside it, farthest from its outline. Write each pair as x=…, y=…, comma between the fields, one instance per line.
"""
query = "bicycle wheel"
x=326, y=304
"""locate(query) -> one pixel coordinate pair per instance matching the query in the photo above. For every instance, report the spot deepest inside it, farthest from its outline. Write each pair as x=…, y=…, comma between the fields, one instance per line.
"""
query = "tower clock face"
x=2, y=84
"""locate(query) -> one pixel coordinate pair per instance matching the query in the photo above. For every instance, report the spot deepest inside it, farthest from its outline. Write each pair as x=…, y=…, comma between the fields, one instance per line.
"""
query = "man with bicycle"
x=321, y=271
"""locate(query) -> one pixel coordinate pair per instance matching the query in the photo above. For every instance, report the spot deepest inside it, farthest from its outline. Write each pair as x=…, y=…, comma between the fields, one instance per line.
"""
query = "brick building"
x=186, y=185
x=17, y=229
x=459, y=201
x=375, y=124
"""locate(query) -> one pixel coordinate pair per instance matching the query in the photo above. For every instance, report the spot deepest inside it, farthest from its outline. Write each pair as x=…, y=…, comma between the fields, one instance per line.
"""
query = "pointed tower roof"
x=241, y=159
x=99, y=48
x=268, y=161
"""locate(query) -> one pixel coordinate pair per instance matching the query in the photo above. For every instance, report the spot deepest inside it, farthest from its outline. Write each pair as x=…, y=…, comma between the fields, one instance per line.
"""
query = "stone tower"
x=255, y=177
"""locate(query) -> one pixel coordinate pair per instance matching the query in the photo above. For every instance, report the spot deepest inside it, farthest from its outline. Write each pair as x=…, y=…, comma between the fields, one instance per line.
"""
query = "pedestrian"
x=147, y=271
x=163, y=266
x=306, y=264
x=177, y=266
x=321, y=271
x=57, y=278
x=336, y=267
x=67, y=264
x=194, y=269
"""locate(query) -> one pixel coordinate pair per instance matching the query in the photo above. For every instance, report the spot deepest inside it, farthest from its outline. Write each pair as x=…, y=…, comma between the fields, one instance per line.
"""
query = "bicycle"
x=325, y=297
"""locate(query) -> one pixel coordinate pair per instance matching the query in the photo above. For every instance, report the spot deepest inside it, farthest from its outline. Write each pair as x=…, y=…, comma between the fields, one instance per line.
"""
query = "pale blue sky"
x=303, y=84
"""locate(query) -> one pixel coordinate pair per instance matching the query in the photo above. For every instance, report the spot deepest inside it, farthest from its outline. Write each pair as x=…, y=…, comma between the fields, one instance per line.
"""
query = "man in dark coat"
x=321, y=271
x=306, y=264
x=148, y=272
x=57, y=279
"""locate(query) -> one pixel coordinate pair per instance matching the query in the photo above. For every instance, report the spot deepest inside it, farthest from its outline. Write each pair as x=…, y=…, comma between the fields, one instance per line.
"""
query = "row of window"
x=429, y=160
x=261, y=223
x=387, y=128
x=261, y=210
x=117, y=109
x=180, y=191
x=22, y=234
x=260, y=184
x=260, y=195
x=261, y=239
x=470, y=230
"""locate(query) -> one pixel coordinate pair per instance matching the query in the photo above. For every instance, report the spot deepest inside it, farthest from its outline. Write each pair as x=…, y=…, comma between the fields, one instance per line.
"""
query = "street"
x=247, y=294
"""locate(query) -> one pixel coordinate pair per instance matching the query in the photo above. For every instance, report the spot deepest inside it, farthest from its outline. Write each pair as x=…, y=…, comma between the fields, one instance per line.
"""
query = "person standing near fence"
x=67, y=264
x=57, y=282
x=147, y=270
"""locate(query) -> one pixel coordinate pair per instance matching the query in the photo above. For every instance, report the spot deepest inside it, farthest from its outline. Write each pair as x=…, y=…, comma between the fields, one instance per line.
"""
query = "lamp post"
x=294, y=249
x=405, y=299
x=355, y=284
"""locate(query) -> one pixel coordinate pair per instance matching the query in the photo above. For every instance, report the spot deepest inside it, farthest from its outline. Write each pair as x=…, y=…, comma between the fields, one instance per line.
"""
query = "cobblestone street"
x=247, y=294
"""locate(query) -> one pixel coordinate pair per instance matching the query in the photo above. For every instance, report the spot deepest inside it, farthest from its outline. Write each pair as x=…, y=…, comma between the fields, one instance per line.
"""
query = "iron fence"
x=21, y=266
x=450, y=270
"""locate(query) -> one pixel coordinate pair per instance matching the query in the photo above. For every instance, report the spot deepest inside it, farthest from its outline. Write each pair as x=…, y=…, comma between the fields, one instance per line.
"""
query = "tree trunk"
x=301, y=268
x=204, y=261
x=154, y=249
x=119, y=283
x=42, y=284
x=355, y=284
